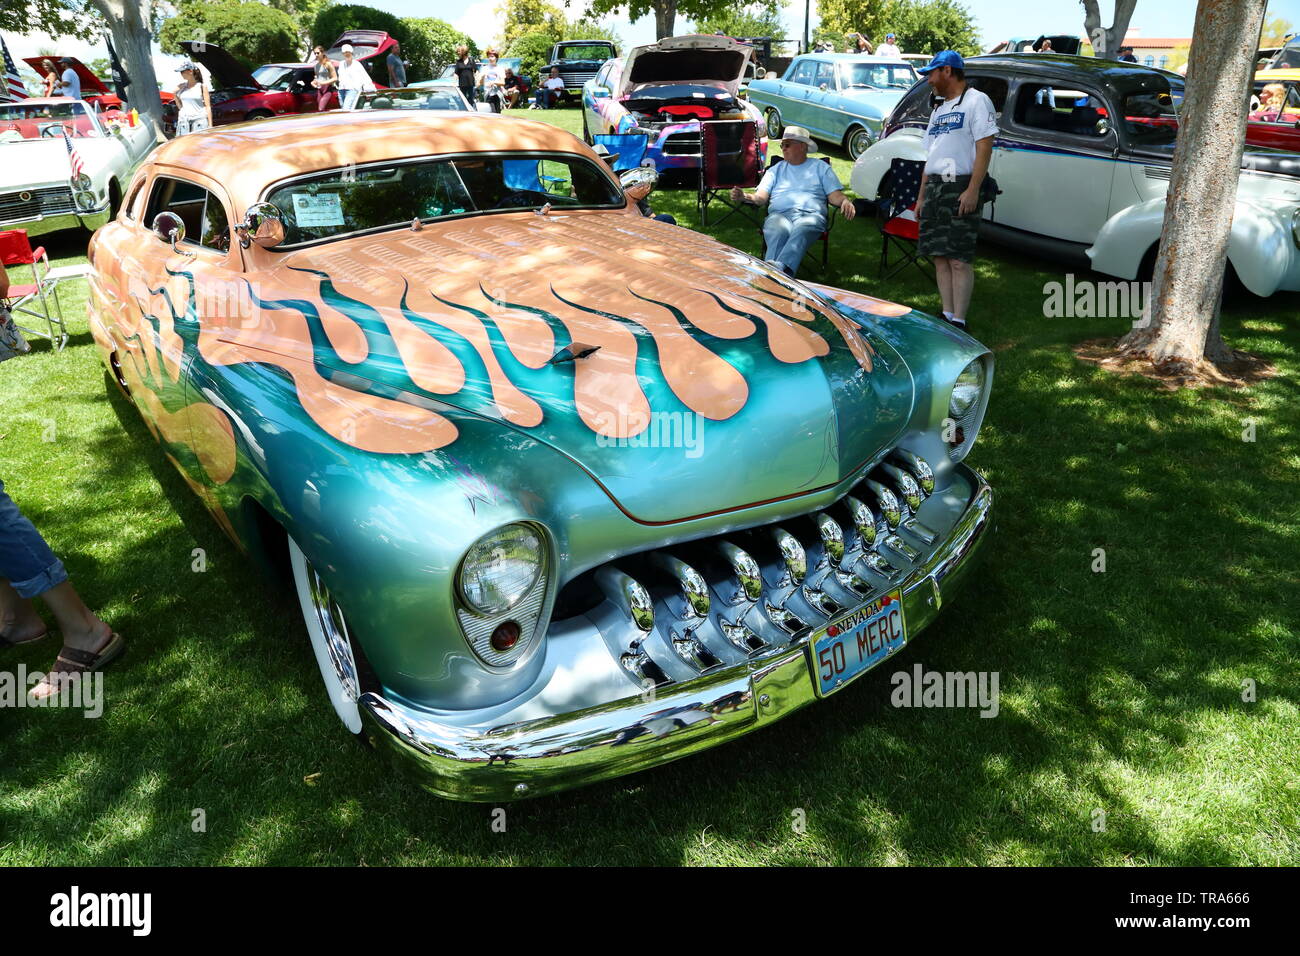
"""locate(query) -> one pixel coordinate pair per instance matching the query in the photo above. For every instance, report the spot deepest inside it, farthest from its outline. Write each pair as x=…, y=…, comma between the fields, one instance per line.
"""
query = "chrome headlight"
x=501, y=568
x=81, y=181
x=967, y=390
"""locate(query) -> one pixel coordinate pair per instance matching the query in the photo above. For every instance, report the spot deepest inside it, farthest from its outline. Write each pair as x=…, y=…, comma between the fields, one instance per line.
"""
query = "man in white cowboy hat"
x=796, y=192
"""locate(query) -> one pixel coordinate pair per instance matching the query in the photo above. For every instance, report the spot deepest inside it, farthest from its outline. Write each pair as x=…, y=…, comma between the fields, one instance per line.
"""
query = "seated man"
x=796, y=191
x=514, y=89
x=549, y=91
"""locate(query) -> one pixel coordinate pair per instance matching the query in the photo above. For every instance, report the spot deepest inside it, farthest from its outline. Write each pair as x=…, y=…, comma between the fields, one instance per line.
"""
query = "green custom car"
x=564, y=492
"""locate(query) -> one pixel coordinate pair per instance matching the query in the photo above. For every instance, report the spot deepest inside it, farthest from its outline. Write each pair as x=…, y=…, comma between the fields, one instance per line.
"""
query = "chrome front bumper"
x=91, y=219
x=550, y=754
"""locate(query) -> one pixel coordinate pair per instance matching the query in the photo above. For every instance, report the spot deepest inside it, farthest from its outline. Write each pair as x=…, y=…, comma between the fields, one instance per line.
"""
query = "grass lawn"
x=1121, y=691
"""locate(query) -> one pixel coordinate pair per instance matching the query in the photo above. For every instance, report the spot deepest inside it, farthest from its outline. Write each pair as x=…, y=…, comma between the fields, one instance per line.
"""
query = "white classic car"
x=38, y=191
x=1083, y=158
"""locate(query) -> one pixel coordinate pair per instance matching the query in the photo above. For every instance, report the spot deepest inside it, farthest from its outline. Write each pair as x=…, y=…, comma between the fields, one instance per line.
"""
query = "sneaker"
x=953, y=320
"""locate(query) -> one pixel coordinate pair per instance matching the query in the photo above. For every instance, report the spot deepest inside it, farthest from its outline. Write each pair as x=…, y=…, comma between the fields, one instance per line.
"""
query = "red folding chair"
x=899, y=222
x=728, y=157
x=16, y=250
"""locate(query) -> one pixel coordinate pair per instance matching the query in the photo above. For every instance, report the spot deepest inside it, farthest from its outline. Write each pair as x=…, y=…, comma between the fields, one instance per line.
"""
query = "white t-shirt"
x=494, y=76
x=888, y=49
x=71, y=83
x=554, y=83
x=353, y=76
x=799, y=190
x=955, y=126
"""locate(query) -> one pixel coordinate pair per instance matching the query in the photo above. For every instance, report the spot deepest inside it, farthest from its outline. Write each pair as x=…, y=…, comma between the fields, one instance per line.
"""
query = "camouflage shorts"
x=943, y=231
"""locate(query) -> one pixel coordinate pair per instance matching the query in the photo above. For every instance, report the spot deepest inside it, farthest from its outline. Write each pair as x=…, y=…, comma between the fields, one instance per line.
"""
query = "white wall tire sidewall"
x=345, y=707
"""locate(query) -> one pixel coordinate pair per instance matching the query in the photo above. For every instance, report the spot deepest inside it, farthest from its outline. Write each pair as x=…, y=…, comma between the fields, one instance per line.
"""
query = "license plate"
x=857, y=641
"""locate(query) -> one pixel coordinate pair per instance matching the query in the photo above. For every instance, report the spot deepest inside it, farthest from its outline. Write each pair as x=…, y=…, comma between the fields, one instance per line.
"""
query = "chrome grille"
x=675, y=613
x=49, y=201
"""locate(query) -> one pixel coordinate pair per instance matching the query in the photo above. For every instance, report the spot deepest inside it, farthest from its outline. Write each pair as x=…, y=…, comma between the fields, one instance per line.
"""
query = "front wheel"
x=330, y=641
x=858, y=142
x=774, y=125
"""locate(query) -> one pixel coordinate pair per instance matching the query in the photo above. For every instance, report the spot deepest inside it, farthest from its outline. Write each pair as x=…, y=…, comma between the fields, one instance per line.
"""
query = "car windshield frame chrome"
x=271, y=188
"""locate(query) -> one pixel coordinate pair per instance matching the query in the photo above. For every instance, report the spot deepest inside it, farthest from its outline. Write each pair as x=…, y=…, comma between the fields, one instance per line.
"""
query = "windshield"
x=425, y=98
x=349, y=201
x=25, y=120
x=1151, y=115
x=877, y=76
x=1288, y=58
x=274, y=77
x=594, y=51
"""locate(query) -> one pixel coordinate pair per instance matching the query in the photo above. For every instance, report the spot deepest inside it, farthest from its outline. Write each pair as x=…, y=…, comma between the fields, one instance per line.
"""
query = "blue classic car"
x=841, y=98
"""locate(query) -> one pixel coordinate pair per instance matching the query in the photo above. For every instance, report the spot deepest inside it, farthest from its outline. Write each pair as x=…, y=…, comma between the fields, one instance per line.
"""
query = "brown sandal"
x=5, y=643
x=73, y=660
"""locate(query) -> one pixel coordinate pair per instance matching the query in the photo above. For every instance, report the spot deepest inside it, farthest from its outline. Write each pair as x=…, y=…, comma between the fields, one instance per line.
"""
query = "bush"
x=535, y=51
x=251, y=32
x=430, y=45
x=332, y=22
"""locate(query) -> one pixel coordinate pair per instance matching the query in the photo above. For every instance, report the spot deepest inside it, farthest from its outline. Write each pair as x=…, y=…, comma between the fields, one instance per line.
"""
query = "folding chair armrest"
x=39, y=254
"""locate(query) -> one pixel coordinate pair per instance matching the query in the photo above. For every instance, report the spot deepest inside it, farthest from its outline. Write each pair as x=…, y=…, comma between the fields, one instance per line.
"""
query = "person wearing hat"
x=796, y=192
x=69, y=82
x=353, y=79
x=194, y=104
x=1126, y=54
x=889, y=47
x=958, y=146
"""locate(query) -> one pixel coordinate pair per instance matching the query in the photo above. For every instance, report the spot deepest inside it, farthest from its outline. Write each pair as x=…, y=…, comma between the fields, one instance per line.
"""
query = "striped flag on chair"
x=13, y=88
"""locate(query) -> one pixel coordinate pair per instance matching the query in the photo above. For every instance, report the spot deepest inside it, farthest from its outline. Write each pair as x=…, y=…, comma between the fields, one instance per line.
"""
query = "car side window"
x=914, y=109
x=803, y=72
x=1060, y=109
x=133, y=200
x=206, y=223
x=994, y=87
x=825, y=76
x=602, y=78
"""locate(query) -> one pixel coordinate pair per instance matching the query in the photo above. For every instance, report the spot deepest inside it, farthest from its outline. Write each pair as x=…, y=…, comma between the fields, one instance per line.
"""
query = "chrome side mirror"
x=170, y=228
x=1102, y=127
x=263, y=224
x=638, y=176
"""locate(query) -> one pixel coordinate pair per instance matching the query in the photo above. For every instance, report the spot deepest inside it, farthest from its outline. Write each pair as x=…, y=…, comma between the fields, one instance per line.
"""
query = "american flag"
x=13, y=85
x=74, y=157
x=905, y=177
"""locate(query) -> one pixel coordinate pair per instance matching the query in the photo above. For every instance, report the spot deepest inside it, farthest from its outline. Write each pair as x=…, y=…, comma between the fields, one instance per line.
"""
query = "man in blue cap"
x=958, y=145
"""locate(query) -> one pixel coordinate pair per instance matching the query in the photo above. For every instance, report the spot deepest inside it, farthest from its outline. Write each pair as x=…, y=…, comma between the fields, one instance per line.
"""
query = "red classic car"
x=277, y=88
x=93, y=89
x=1276, y=125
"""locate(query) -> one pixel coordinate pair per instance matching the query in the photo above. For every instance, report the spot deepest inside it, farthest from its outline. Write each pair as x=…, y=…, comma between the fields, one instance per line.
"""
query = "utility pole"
x=807, y=10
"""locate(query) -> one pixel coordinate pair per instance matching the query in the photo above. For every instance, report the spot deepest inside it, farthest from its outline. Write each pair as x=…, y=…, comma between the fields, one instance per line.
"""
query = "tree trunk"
x=665, y=18
x=1106, y=42
x=129, y=22
x=1188, y=282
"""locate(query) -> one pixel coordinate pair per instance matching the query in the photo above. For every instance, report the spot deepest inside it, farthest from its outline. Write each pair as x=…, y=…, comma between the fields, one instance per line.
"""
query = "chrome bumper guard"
x=551, y=754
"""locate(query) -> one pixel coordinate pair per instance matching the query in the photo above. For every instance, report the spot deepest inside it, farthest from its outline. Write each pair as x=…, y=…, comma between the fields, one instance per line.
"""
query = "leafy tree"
x=101, y=68
x=665, y=11
x=252, y=33
x=57, y=18
x=591, y=30
x=534, y=49
x=761, y=19
x=430, y=45
x=522, y=17
x=1275, y=32
x=923, y=26
x=303, y=13
x=333, y=21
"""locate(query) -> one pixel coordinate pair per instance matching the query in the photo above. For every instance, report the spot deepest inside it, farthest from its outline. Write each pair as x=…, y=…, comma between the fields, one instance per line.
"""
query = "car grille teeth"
x=717, y=602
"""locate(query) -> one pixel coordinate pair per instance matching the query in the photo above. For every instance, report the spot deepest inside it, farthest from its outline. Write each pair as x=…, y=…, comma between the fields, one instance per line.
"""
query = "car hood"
x=90, y=83
x=710, y=382
x=225, y=69
x=686, y=59
x=32, y=163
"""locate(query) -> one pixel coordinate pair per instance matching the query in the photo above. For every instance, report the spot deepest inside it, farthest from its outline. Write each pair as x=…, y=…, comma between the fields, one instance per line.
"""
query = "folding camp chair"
x=629, y=147
x=824, y=238
x=899, y=222
x=728, y=157
x=16, y=250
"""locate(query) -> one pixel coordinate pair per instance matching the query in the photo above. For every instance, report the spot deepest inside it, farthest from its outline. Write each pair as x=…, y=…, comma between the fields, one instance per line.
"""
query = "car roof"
x=1120, y=74
x=246, y=157
x=855, y=58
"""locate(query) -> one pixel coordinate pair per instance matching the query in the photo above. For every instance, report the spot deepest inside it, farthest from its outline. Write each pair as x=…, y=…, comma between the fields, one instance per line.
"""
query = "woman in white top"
x=353, y=79
x=192, y=97
x=493, y=79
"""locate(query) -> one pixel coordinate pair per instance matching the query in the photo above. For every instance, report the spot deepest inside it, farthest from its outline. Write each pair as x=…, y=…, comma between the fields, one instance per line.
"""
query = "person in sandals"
x=29, y=569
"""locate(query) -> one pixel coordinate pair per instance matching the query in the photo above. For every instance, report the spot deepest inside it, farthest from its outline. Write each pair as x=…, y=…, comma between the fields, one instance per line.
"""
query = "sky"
x=995, y=19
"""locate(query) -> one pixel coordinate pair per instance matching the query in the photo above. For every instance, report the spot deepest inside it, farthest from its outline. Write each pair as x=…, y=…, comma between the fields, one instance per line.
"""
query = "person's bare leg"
x=20, y=622
x=963, y=284
x=81, y=628
x=943, y=275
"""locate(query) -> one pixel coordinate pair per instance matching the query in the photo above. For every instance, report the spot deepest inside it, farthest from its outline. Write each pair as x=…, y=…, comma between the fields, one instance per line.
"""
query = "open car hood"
x=366, y=44
x=90, y=83
x=225, y=69
x=707, y=60
x=702, y=367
